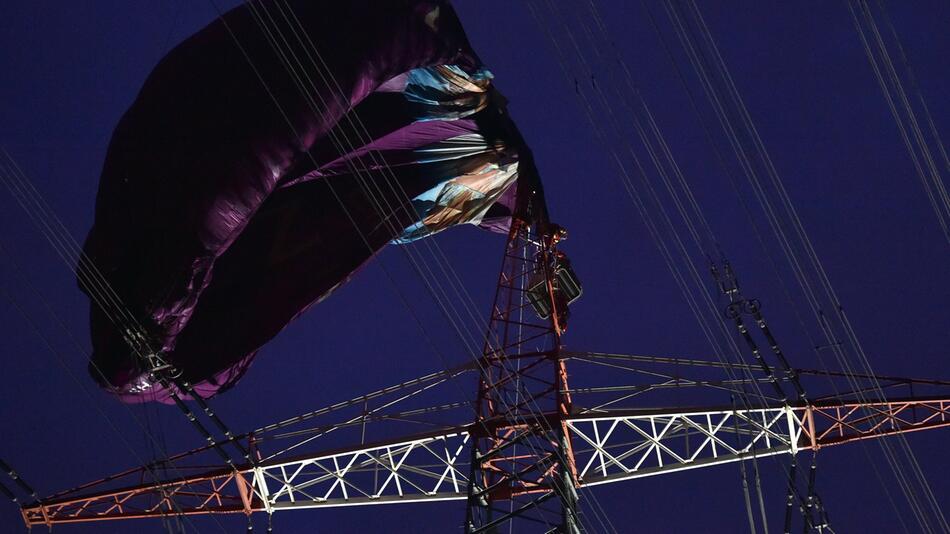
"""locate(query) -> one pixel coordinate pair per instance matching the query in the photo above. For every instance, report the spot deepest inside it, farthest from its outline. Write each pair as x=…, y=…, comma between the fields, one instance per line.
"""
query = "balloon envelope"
x=254, y=174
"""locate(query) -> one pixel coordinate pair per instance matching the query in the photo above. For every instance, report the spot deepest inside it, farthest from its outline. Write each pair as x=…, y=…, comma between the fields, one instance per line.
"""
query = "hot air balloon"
x=263, y=162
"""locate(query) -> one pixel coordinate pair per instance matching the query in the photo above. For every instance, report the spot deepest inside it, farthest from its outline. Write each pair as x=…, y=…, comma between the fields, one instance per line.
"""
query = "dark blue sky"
x=71, y=69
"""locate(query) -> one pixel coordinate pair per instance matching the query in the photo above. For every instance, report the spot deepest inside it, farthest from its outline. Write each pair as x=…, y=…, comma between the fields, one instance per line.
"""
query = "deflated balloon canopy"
x=252, y=176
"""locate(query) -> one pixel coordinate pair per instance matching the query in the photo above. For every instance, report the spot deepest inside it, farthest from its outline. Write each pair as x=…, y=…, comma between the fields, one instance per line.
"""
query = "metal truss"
x=621, y=447
x=521, y=450
x=425, y=468
x=609, y=446
x=422, y=468
x=835, y=423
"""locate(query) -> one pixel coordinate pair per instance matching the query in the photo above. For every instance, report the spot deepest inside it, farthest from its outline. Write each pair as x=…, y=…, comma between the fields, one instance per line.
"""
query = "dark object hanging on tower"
x=234, y=195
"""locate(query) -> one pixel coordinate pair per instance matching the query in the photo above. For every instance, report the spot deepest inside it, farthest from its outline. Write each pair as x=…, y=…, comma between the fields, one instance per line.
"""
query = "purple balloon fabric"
x=234, y=191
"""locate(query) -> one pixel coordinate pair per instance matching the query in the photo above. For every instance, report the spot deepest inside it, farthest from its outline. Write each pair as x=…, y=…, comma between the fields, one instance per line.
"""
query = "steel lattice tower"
x=535, y=440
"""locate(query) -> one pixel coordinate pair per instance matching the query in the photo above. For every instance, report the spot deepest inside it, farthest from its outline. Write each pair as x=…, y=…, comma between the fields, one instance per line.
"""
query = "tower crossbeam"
x=609, y=446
